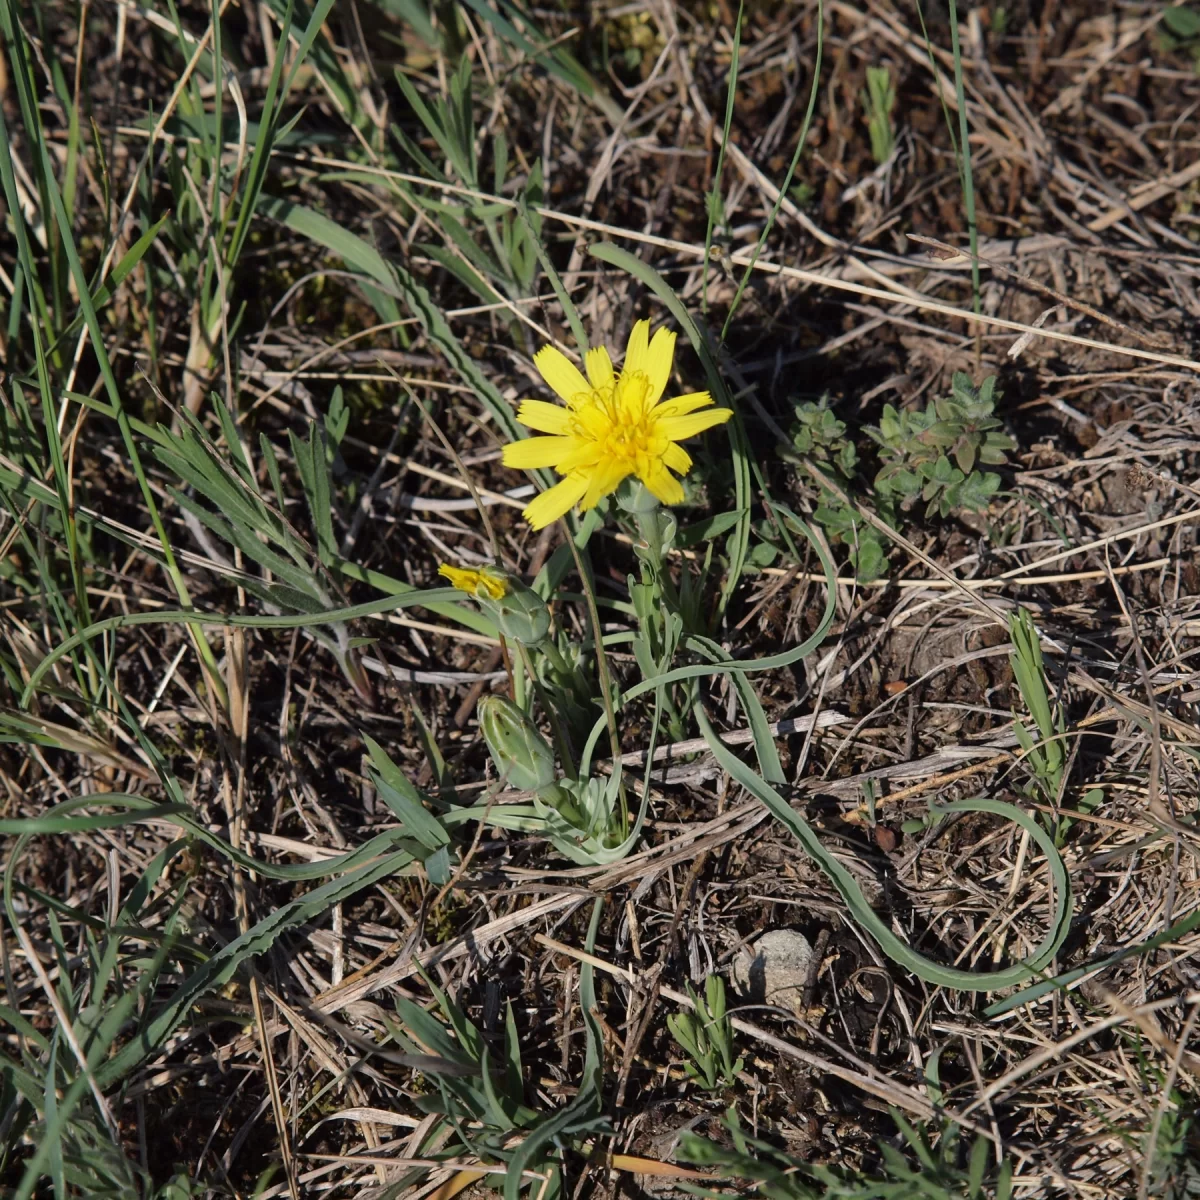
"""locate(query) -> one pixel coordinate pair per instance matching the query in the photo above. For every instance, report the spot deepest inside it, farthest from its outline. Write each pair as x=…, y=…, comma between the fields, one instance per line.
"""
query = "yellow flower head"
x=482, y=583
x=613, y=426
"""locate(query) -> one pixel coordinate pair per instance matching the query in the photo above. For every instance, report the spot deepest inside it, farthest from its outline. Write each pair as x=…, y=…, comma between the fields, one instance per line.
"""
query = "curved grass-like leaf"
x=862, y=912
x=732, y=666
x=220, y=968
x=1063, y=981
x=396, y=281
x=286, y=621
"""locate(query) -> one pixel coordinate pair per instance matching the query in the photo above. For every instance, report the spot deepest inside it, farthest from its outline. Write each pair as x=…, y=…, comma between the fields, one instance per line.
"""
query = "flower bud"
x=518, y=611
x=520, y=614
x=484, y=583
x=522, y=756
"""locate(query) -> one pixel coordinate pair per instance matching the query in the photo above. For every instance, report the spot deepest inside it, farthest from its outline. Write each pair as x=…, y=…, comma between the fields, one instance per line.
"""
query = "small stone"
x=775, y=969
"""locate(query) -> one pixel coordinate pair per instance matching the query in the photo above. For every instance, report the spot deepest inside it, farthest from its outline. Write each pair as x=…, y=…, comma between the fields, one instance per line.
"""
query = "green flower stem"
x=652, y=526
x=518, y=677
x=649, y=545
x=565, y=753
x=602, y=671
x=561, y=667
x=650, y=550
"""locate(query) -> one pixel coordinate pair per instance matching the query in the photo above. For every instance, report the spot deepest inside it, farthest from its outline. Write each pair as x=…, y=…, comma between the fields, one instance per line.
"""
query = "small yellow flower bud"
x=484, y=583
x=518, y=611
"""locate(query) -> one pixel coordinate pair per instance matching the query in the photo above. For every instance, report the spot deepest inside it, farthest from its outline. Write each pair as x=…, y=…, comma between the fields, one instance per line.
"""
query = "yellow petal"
x=678, y=428
x=582, y=456
x=531, y=453
x=683, y=404
x=494, y=585
x=637, y=348
x=464, y=580
x=545, y=418
x=561, y=374
x=631, y=399
x=599, y=367
x=477, y=582
x=594, y=421
x=677, y=458
x=659, y=356
x=663, y=485
x=553, y=503
x=605, y=478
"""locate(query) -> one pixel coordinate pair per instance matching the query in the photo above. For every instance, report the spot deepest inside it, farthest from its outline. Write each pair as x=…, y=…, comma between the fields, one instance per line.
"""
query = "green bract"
x=522, y=756
x=635, y=498
x=521, y=615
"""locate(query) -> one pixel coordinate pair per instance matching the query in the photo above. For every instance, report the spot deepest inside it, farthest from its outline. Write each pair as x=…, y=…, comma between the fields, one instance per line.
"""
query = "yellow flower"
x=480, y=583
x=613, y=426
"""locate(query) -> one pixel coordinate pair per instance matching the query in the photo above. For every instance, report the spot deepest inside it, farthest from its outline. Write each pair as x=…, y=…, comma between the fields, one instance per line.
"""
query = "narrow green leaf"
x=221, y=967
x=861, y=910
x=532, y=233
x=710, y=527
x=396, y=281
x=405, y=801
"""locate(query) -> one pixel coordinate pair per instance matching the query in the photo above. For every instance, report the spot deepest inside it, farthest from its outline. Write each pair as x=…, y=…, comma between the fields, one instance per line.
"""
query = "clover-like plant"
x=933, y=454
x=820, y=435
